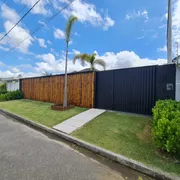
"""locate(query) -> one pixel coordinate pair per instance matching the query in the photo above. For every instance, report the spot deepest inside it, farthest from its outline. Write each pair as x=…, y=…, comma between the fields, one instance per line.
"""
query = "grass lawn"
x=39, y=111
x=128, y=135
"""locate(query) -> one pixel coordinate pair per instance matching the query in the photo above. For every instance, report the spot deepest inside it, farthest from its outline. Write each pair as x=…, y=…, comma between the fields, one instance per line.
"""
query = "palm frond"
x=76, y=57
x=92, y=58
x=100, y=62
x=82, y=57
x=69, y=25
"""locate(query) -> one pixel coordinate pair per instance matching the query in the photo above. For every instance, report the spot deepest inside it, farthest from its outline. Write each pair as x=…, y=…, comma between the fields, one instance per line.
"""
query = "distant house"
x=85, y=70
x=176, y=60
x=12, y=83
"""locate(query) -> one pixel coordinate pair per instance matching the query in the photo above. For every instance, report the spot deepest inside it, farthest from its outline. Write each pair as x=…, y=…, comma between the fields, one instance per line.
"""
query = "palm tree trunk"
x=65, y=79
x=92, y=67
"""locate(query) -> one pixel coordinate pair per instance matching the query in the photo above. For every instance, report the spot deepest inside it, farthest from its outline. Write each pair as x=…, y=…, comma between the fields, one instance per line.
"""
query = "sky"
x=124, y=33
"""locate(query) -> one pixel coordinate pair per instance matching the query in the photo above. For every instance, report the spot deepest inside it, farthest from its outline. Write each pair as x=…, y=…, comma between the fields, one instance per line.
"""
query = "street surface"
x=27, y=154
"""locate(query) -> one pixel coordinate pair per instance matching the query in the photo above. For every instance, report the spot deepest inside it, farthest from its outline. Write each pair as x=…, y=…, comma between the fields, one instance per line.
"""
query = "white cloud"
x=137, y=14
x=9, y=14
x=59, y=34
x=44, y=67
x=5, y=74
x=76, y=34
x=53, y=65
x=41, y=42
x=141, y=37
x=145, y=15
x=55, y=4
x=49, y=63
x=165, y=16
x=86, y=12
x=108, y=22
x=1, y=63
x=40, y=8
x=125, y=59
x=52, y=50
x=18, y=34
x=11, y=71
x=48, y=58
x=76, y=52
x=4, y=48
x=15, y=70
x=176, y=22
x=162, y=26
x=42, y=23
x=25, y=66
x=163, y=49
x=49, y=42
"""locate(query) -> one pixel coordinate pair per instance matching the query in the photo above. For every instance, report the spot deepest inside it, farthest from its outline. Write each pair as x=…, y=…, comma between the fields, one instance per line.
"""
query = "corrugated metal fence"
x=134, y=90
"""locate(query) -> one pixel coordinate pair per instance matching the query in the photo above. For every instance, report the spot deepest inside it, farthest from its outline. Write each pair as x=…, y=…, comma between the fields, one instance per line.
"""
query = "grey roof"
x=176, y=59
x=9, y=79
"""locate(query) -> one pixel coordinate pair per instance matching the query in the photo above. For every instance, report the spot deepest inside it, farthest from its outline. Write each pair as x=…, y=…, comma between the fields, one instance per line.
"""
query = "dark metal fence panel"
x=134, y=90
x=104, y=90
x=165, y=82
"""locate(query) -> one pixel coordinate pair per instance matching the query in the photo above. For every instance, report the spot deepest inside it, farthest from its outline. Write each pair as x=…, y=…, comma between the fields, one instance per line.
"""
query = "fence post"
x=113, y=89
x=20, y=85
x=94, y=84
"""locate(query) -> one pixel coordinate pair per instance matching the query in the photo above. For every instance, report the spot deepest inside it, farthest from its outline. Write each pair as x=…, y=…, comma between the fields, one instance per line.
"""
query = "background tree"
x=45, y=73
x=91, y=59
x=19, y=76
x=68, y=31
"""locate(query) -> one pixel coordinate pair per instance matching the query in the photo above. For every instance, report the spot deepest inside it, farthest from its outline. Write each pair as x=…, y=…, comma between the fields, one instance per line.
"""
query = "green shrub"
x=11, y=95
x=166, y=126
x=3, y=88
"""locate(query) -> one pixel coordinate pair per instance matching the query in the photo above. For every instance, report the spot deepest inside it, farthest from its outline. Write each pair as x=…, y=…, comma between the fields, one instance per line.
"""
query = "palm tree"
x=68, y=30
x=91, y=59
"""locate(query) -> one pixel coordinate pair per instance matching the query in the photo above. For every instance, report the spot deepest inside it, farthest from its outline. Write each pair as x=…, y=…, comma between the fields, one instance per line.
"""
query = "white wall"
x=177, y=84
x=12, y=85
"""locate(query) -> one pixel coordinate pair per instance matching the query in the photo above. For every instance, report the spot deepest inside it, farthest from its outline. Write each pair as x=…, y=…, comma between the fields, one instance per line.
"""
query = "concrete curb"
x=103, y=152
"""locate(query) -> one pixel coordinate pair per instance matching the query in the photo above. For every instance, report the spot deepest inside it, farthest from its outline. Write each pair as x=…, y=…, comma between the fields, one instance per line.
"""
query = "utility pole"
x=169, y=32
x=177, y=46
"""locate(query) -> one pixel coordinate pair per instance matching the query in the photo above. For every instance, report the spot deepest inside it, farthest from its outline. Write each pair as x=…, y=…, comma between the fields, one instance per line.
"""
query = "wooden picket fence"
x=51, y=89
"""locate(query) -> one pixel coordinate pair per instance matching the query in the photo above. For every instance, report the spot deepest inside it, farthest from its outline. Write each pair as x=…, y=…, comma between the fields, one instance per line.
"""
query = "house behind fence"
x=12, y=83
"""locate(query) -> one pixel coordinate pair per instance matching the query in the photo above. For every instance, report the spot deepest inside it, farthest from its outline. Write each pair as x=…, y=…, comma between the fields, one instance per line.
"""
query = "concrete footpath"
x=78, y=121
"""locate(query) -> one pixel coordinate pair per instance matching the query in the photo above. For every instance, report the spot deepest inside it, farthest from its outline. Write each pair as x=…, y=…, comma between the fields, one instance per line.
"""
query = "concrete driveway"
x=26, y=154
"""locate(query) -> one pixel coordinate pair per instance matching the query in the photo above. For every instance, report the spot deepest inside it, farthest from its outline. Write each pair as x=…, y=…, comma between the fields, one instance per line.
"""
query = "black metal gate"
x=134, y=90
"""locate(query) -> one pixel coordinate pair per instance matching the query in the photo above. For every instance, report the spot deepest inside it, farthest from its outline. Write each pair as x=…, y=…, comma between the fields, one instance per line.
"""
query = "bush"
x=11, y=95
x=166, y=126
x=3, y=88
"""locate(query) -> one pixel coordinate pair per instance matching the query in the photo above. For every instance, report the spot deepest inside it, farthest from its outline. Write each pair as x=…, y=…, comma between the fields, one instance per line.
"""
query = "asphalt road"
x=26, y=154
